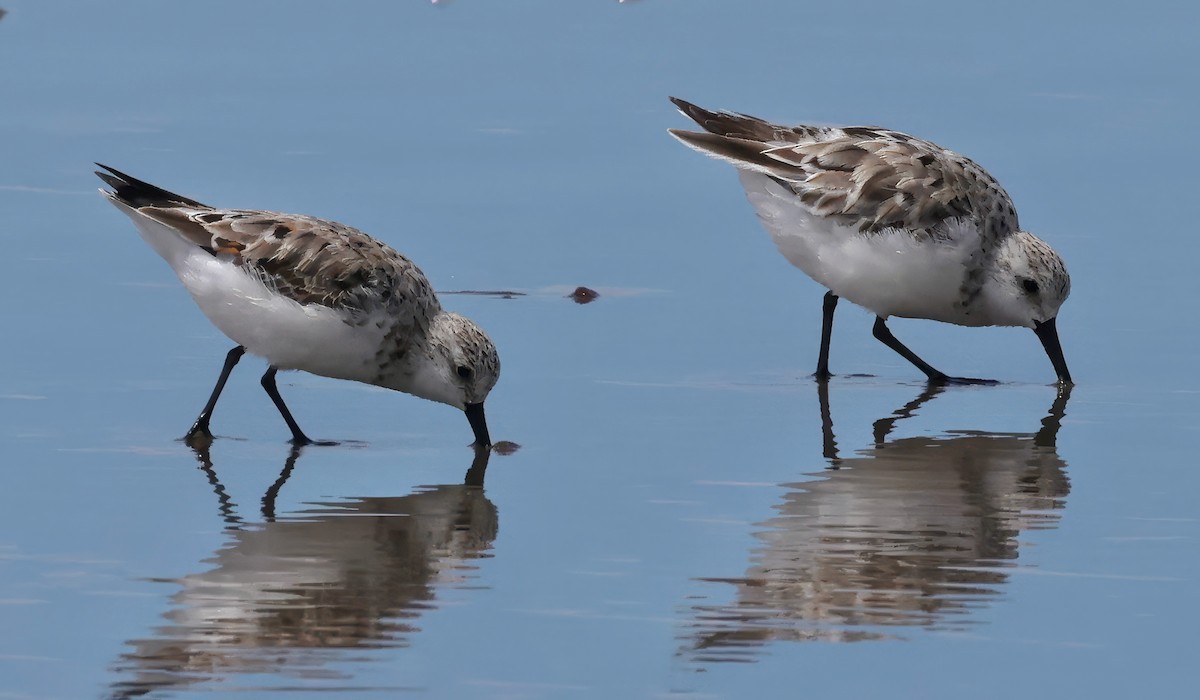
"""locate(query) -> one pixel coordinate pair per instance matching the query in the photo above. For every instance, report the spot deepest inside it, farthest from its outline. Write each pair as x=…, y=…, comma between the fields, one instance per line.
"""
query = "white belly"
x=290, y=335
x=889, y=273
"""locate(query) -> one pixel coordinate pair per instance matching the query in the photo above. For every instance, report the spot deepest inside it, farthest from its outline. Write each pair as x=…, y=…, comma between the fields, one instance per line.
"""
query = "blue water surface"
x=688, y=514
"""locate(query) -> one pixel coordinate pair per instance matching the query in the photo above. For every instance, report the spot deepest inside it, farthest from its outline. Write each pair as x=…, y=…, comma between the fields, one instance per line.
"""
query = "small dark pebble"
x=583, y=295
x=504, y=447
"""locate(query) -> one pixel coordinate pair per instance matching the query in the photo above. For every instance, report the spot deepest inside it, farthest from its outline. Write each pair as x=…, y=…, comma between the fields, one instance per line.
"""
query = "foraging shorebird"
x=893, y=223
x=312, y=295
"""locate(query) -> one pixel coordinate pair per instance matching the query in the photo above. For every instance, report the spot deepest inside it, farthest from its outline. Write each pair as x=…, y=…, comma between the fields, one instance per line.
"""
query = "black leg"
x=200, y=429
x=268, y=383
x=827, y=310
x=885, y=336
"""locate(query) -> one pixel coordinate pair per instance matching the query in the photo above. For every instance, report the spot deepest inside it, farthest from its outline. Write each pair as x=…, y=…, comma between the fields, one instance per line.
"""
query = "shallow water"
x=687, y=514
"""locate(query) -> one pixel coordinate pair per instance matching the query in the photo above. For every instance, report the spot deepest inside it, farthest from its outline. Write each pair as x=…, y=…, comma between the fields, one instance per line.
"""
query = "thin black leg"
x=200, y=429
x=827, y=310
x=884, y=335
x=881, y=332
x=268, y=383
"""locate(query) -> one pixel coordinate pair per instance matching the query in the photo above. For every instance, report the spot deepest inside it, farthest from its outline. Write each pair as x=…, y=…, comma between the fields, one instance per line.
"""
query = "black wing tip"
x=113, y=178
x=114, y=175
x=689, y=107
x=116, y=178
x=691, y=111
x=139, y=193
x=721, y=123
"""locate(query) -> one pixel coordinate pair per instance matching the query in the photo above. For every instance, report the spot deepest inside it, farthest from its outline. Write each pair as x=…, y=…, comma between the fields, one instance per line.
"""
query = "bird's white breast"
x=290, y=335
x=891, y=273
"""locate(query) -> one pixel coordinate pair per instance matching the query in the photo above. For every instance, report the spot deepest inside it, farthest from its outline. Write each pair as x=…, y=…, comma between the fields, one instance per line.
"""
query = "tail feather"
x=744, y=126
x=161, y=217
x=727, y=123
x=746, y=142
x=743, y=153
x=137, y=193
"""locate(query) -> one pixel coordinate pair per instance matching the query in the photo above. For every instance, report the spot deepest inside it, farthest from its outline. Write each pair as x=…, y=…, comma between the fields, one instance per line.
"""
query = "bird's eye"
x=464, y=372
x=1030, y=286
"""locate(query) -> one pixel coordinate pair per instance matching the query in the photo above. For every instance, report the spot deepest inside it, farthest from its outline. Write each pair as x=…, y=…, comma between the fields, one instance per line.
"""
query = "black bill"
x=1047, y=332
x=474, y=413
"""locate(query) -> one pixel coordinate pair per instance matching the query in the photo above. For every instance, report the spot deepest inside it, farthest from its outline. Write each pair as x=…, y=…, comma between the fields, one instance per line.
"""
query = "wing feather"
x=310, y=260
x=315, y=261
x=868, y=178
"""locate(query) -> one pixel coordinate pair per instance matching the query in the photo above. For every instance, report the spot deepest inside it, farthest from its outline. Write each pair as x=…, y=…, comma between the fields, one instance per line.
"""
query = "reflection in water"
x=911, y=532
x=288, y=596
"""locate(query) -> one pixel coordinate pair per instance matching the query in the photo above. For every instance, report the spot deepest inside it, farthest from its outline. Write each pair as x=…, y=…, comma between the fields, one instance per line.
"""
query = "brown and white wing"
x=867, y=178
x=310, y=260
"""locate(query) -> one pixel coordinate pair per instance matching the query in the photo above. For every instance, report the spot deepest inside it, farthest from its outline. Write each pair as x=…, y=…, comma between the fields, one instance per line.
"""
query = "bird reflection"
x=291, y=595
x=911, y=532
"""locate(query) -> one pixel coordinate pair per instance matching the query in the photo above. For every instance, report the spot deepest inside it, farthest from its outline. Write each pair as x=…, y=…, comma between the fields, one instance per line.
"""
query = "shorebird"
x=312, y=295
x=893, y=223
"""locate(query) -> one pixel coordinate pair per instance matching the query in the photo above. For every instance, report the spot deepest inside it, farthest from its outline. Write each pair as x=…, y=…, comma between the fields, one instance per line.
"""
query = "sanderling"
x=312, y=295
x=895, y=224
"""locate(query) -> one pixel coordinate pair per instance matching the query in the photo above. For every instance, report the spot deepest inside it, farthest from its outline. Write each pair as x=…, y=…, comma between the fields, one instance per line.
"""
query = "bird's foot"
x=198, y=436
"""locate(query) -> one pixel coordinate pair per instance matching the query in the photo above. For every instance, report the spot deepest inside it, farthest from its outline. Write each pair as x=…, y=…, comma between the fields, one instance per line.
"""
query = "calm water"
x=688, y=514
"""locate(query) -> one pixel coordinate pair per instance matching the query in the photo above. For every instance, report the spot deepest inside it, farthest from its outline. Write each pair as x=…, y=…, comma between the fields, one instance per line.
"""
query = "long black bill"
x=474, y=413
x=1047, y=332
